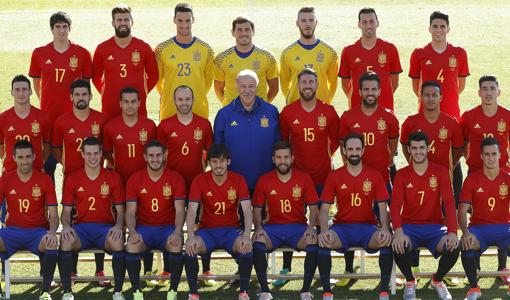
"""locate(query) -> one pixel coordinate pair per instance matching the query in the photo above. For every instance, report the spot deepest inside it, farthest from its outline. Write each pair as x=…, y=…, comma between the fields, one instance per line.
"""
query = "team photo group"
x=257, y=178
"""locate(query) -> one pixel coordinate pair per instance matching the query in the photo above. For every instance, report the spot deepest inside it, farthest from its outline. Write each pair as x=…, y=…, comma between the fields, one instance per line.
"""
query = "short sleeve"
x=50, y=195
x=87, y=65
x=68, y=198
x=272, y=70
x=393, y=130
x=58, y=136
x=329, y=191
x=404, y=132
x=218, y=73
x=381, y=193
x=457, y=136
x=132, y=189
x=463, y=66
x=35, y=67
x=195, y=193
x=244, y=193
x=345, y=68
x=107, y=138
x=466, y=195
x=311, y=197
x=118, y=193
x=180, y=186
x=414, y=65
x=395, y=67
x=259, y=196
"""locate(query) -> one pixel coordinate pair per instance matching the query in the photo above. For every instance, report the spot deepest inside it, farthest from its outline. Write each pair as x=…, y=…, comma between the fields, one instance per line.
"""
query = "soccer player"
x=308, y=52
x=370, y=54
x=123, y=61
x=248, y=127
x=442, y=62
x=244, y=55
x=23, y=122
x=155, y=211
x=184, y=60
x=356, y=188
x=284, y=193
x=485, y=196
x=97, y=195
x=219, y=192
x=423, y=215
x=53, y=68
x=32, y=213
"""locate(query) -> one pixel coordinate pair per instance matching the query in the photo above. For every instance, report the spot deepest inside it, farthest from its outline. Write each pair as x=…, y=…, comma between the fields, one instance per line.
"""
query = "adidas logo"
x=81, y=189
x=172, y=57
x=231, y=66
x=357, y=60
x=119, y=137
x=477, y=125
x=173, y=134
x=343, y=187
x=143, y=191
x=296, y=121
x=209, y=194
x=13, y=192
x=48, y=62
x=11, y=129
x=273, y=192
x=409, y=186
x=479, y=190
x=297, y=58
x=234, y=123
x=71, y=131
x=428, y=62
x=110, y=57
x=355, y=125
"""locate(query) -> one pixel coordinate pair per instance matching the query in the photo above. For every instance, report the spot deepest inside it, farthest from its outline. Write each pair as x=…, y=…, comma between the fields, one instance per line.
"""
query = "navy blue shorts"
x=219, y=238
x=355, y=235
x=285, y=234
x=491, y=235
x=155, y=237
x=425, y=235
x=92, y=235
x=17, y=238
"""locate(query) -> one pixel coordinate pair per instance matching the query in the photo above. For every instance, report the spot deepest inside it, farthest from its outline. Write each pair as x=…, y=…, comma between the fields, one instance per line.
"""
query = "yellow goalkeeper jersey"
x=184, y=64
x=321, y=57
x=230, y=62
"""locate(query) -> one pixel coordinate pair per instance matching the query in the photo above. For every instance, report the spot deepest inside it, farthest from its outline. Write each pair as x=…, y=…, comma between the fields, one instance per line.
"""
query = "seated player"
x=30, y=198
x=219, y=192
x=155, y=202
x=284, y=193
x=423, y=215
x=356, y=188
x=485, y=195
x=97, y=196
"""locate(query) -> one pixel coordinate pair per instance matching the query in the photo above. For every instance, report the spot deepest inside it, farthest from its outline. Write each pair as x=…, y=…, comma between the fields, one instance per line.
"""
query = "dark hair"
x=307, y=71
x=218, y=151
x=183, y=7
x=280, y=145
x=439, y=15
x=20, y=78
x=23, y=144
x=184, y=87
x=369, y=76
x=153, y=143
x=242, y=20
x=354, y=136
x=80, y=83
x=418, y=136
x=60, y=17
x=367, y=10
x=90, y=141
x=129, y=90
x=121, y=9
x=485, y=78
x=306, y=9
x=488, y=141
x=430, y=83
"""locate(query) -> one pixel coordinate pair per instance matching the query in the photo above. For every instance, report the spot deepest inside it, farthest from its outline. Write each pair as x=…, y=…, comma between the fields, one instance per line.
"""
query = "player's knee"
x=65, y=244
x=455, y=250
x=116, y=246
x=173, y=247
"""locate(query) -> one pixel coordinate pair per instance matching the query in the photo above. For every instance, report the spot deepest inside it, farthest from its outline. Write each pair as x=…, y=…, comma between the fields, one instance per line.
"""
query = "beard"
x=122, y=33
x=354, y=159
x=369, y=104
x=283, y=169
x=307, y=36
x=81, y=105
x=154, y=167
x=184, y=109
x=309, y=98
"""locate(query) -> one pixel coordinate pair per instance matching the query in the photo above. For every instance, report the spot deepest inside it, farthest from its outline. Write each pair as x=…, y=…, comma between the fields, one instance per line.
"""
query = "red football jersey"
x=476, y=126
x=93, y=199
x=68, y=134
x=155, y=199
x=285, y=201
x=116, y=68
x=382, y=59
x=185, y=145
x=445, y=68
x=219, y=203
x=126, y=143
x=27, y=202
x=444, y=134
x=313, y=136
x=35, y=128
x=377, y=130
x=489, y=199
x=57, y=71
x=419, y=199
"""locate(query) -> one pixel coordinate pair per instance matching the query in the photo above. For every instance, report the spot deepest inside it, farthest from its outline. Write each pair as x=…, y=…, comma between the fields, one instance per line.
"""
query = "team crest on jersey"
x=95, y=129
x=264, y=122
x=381, y=58
x=73, y=62
x=443, y=134
x=197, y=134
x=367, y=186
x=320, y=57
x=36, y=191
x=322, y=121
x=381, y=125
x=135, y=56
x=105, y=189
x=143, y=135
x=501, y=126
x=167, y=190
x=197, y=56
x=452, y=62
x=503, y=190
x=36, y=128
x=296, y=192
x=231, y=194
x=256, y=65
x=433, y=182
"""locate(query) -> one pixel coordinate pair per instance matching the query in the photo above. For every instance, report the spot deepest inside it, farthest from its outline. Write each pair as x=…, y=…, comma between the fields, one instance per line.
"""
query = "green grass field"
x=480, y=27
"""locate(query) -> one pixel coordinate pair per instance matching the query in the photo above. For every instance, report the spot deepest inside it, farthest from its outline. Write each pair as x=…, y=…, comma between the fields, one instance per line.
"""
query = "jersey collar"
x=185, y=46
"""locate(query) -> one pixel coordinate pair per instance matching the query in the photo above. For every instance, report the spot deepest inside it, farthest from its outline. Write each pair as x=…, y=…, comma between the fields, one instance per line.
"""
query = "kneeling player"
x=29, y=196
x=357, y=188
x=155, y=217
x=93, y=192
x=420, y=193
x=284, y=192
x=486, y=193
x=219, y=192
